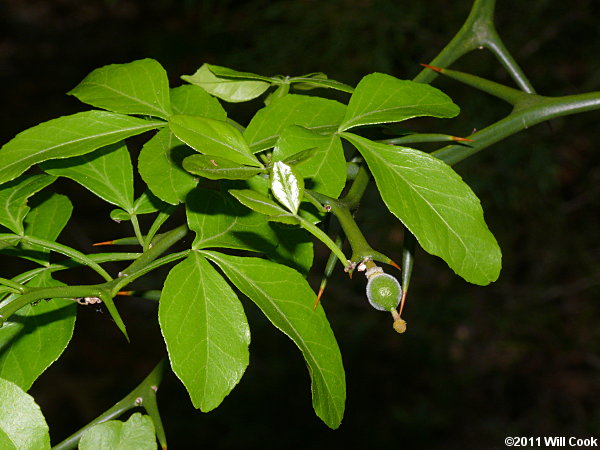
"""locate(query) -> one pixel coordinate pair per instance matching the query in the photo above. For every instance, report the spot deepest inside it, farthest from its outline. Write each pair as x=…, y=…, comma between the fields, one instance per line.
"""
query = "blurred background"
x=520, y=357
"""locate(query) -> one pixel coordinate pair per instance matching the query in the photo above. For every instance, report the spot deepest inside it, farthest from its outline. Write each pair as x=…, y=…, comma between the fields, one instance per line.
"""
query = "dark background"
x=518, y=358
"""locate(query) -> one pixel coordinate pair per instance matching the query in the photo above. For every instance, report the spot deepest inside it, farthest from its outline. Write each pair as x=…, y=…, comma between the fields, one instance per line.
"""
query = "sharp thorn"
x=460, y=139
x=318, y=298
x=128, y=293
x=434, y=68
x=97, y=244
x=404, y=292
x=392, y=263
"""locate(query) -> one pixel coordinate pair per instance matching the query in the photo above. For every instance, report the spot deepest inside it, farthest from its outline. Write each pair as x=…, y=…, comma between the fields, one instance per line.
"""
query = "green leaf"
x=46, y=220
x=195, y=101
x=107, y=172
x=68, y=136
x=326, y=169
x=205, y=330
x=135, y=434
x=214, y=137
x=35, y=336
x=138, y=87
x=436, y=205
x=287, y=300
x=21, y=420
x=230, y=90
x=264, y=205
x=287, y=186
x=146, y=203
x=119, y=215
x=217, y=168
x=281, y=91
x=114, y=313
x=295, y=159
x=13, y=199
x=220, y=222
x=315, y=113
x=225, y=72
x=294, y=248
x=319, y=80
x=381, y=98
x=5, y=442
x=160, y=166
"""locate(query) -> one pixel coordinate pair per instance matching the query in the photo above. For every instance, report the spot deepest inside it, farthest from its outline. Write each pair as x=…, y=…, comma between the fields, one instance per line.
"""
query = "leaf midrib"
x=164, y=113
x=18, y=162
x=433, y=209
x=306, y=349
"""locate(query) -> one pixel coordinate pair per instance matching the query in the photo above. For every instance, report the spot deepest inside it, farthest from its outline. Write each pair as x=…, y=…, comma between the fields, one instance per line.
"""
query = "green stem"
x=282, y=90
x=329, y=266
x=323, y=237
x=358, y=188
x=138, y=232
x=131, y=276
x=158, y=246
x=14, y=287
x=9, y=239
x=478, y=31
x=352, y=169
x=67, y=251
x=519, y=119
x=496, y=46
x=360, y=247
x=417, y=138
x=161, y=218
x=46, y=293
x=468, y=38
x=144, y=395
x=104, y=291
x=506, y=93
x=71, y=263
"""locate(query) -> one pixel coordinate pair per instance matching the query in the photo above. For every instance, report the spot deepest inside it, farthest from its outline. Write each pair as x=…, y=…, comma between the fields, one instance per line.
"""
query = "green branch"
x=478, y=31
x=67, y=251
x=12, y=286
x=158, y=246
x=138, y=232
x=323, y=237
x=105, y=291
x=521, y=118
x=506, y=93
x=360, y=247
x=355, y=194
x=144, y=395
x=132, y=276
x=47, y=293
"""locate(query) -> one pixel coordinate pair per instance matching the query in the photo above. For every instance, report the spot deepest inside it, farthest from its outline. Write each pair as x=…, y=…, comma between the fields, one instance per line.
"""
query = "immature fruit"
x=384, y=292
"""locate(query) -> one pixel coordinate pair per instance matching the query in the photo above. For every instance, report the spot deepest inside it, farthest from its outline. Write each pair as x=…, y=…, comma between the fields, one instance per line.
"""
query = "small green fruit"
x=384, y=292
